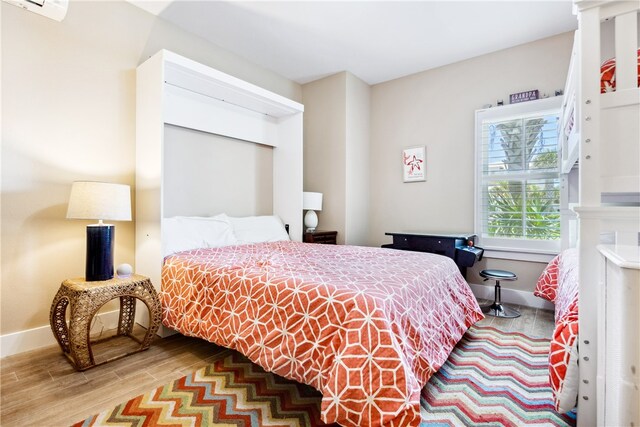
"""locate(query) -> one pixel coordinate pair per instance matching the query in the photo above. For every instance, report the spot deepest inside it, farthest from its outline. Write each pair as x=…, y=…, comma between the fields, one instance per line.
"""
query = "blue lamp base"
x=100, y=240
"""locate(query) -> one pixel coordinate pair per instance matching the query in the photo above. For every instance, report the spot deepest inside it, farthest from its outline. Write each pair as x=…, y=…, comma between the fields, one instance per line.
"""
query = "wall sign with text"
x=528, y=95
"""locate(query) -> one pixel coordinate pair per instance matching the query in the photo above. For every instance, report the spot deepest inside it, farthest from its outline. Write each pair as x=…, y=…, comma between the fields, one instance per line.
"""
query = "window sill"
x=519, y=255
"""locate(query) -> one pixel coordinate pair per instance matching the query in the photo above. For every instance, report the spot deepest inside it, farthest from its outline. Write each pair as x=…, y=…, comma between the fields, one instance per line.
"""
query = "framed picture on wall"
x=414, y=164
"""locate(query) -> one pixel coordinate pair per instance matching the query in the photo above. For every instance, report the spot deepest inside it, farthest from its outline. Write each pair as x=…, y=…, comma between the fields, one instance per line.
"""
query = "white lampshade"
x=312, y=201
x=99, y=200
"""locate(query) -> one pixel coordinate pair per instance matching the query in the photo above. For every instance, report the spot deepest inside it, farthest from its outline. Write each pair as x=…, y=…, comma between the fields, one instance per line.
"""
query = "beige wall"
x=324, y=152
x=436, y=108
x=68, y=113
x=336, y=153
x=357, y=155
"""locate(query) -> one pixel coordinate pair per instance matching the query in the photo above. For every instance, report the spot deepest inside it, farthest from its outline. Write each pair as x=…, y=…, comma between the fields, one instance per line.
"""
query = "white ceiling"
x=375, y=40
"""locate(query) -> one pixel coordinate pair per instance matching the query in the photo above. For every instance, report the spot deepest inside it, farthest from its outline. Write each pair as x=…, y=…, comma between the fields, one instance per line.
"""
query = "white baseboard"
x=511, y=296
x=32, y=339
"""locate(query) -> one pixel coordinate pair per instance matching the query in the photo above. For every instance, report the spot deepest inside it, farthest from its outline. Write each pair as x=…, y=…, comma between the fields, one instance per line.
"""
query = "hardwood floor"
x=41, y=388
x=532, y=322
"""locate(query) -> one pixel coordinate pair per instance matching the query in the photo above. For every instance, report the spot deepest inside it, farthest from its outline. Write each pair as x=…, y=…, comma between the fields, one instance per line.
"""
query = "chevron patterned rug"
x=230, y=392
x=491, y=379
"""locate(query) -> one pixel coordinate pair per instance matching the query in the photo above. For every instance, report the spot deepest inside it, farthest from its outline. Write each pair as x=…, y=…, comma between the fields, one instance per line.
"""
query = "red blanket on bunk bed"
x=367, y=327
x=608, y=75
x=559, y=284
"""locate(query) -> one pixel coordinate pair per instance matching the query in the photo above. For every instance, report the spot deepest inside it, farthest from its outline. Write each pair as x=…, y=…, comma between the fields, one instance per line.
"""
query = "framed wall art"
x=414, y=164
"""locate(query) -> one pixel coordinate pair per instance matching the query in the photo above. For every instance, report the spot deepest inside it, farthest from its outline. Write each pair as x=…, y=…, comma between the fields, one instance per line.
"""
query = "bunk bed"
x=600, y=140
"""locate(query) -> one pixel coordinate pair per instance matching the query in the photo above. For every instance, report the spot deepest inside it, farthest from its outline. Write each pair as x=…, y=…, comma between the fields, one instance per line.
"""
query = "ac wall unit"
x=54, y=9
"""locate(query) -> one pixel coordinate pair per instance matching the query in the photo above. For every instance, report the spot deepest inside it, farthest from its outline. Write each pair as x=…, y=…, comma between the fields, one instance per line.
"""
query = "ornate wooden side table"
x=85, y=299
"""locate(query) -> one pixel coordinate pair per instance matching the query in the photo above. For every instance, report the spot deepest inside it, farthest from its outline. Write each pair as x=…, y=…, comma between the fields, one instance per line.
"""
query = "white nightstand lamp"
x=311, y=202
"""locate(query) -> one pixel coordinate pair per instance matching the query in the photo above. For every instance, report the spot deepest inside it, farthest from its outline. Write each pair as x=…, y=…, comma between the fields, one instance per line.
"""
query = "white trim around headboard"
x=175, y=90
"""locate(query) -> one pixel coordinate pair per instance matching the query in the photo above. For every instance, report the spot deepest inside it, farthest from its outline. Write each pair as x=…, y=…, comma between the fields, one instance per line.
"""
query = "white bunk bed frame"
x=605, y=131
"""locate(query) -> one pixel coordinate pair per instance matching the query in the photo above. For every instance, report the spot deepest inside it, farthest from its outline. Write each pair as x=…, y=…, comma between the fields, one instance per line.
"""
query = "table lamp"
x=101, y=201
x=311, y=202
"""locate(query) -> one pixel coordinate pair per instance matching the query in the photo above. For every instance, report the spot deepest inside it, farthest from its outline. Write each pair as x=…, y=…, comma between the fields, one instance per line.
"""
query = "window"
x=517, y=180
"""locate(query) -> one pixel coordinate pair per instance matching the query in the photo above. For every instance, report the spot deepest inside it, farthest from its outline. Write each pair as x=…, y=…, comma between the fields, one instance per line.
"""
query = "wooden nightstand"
x=319, y=236
x=85, y=299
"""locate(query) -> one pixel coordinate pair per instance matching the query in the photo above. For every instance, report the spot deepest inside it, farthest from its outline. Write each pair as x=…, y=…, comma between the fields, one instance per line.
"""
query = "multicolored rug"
x=491, y=378
x=231, y=391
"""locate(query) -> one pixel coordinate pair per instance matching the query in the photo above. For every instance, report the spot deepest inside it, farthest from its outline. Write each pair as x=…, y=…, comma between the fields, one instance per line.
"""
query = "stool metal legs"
x=497, y=309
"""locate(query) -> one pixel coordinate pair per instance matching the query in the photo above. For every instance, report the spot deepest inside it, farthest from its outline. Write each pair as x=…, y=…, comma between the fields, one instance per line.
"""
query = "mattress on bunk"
x=366, y=327
x=559, y=284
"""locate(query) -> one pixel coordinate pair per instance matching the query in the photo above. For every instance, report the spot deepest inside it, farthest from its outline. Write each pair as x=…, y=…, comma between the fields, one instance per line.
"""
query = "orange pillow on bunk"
x=547, y=286
x=608, y=75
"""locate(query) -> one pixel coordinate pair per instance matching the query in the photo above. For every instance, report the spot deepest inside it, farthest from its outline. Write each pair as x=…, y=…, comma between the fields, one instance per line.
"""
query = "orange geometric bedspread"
x=366, y=327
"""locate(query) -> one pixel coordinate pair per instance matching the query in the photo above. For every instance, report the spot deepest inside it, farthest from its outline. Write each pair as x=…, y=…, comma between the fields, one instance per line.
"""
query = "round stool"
x=497, y=309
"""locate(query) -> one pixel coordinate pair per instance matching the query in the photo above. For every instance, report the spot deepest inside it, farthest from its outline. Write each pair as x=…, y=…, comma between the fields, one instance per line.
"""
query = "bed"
x=366, y=327
x=600, y=132
x=558, y=284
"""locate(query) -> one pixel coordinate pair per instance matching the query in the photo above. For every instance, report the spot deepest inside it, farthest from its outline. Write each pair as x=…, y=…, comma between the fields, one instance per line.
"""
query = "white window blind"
x=518, y=184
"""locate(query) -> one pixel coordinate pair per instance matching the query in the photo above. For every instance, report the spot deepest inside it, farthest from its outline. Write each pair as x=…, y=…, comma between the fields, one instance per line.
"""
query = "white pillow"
x=183, y=233
x=258, y=229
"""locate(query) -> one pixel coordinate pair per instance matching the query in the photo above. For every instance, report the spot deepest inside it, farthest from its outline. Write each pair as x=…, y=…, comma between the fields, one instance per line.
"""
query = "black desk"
x=460, y=247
